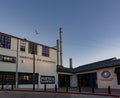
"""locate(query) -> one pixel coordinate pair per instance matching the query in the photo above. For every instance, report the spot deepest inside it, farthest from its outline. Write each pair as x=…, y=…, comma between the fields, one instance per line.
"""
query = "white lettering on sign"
x=30, y=58
x=47, y=79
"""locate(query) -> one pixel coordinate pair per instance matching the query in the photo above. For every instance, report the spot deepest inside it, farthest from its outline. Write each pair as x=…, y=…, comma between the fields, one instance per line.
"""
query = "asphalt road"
x=17, y=94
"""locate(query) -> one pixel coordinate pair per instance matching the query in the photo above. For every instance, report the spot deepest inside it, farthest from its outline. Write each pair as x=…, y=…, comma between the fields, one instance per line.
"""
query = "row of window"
x=9, y=59
x=23, y=78
x=5, y=42
x=32, y=48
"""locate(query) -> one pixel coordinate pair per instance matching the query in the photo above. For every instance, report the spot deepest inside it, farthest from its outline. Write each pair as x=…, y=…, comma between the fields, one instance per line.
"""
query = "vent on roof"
x=114, y=58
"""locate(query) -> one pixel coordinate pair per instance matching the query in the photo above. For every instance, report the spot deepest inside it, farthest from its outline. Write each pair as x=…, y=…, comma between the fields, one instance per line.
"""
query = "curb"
x=47, y=91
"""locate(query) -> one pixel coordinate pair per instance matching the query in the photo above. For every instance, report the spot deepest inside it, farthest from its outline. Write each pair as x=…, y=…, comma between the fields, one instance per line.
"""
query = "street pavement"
x=61, y=93
x=18, y=94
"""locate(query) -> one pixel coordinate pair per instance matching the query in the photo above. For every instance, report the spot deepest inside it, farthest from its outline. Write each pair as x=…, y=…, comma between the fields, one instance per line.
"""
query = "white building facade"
x=20, y=59
x=27, y=64
x=100, y=74
x=102, y=78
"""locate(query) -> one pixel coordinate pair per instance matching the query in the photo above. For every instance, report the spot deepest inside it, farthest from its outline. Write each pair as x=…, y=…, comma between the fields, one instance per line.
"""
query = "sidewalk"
x=87, y=90
x=72, y=91
x=19, y=94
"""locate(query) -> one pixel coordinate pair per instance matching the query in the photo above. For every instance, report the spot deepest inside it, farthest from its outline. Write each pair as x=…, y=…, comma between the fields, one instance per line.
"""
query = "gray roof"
x=112, y=62
x=64, y=69
x=98, y=65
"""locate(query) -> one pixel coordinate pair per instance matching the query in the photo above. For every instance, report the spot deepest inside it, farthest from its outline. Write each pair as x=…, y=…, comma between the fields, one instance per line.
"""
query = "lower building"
x=99, y=74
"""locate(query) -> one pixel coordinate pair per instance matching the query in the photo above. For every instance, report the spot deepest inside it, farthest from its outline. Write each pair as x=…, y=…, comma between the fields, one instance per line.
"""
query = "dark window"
x=5, y=41
x=7, y=78
x=7, y=59
x=1, y=57
x=27, y=78
x=32, y=48
x=45, y=51
x=22, y=45
x=118, y=78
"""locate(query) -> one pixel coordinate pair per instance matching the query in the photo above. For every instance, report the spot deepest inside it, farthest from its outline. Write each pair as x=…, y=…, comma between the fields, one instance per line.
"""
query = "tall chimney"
x=70, y=60
x=61, y=60
x=58, y=53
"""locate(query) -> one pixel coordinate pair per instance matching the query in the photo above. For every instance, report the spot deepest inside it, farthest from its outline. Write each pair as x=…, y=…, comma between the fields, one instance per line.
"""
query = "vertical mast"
x=70, y=60
x=61, y=61
x=58, y=52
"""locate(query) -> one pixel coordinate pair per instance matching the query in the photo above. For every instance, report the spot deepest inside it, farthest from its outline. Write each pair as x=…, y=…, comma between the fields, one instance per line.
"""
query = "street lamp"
x=33, y=52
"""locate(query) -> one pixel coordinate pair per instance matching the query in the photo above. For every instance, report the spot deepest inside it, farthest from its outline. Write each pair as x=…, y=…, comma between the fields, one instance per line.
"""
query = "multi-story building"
x=25, y=63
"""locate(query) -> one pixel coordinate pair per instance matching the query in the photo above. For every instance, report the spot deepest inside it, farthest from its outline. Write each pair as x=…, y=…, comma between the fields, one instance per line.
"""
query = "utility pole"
x=33, y=66
x=16, y=73
x=34, y=76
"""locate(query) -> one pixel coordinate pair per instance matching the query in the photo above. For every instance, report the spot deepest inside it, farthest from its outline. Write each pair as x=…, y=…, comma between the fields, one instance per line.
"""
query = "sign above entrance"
x=47, y=79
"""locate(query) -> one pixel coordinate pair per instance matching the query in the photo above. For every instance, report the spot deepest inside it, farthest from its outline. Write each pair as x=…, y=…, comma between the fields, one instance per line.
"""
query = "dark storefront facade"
x=23, y=78
x=87, y=80
x=7, y=78
x=63, y=80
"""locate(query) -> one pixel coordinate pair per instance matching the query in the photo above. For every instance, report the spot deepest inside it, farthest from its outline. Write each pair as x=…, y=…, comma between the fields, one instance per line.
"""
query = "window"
x=22, y=45
x=7, y=77
x=117, y=71
x=1, y=57
x=32, y=48
x=5, y=41
x=7, y=59
x=45, y=51
x=27, y=78
x=118, y=78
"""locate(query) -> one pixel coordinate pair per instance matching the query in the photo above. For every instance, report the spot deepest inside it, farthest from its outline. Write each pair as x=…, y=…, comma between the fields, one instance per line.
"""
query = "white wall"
x=43, y=65
x=6, y=66
x=73, y=81
x=102, y=82
x=111, y=81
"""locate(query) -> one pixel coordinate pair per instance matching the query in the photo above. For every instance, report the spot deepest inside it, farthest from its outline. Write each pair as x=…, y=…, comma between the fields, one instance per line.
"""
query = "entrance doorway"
x=63, y=80
x=87, y=80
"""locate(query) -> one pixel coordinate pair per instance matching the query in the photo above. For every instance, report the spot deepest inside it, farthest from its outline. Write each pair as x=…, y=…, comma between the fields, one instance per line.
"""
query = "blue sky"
x=91, y=28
